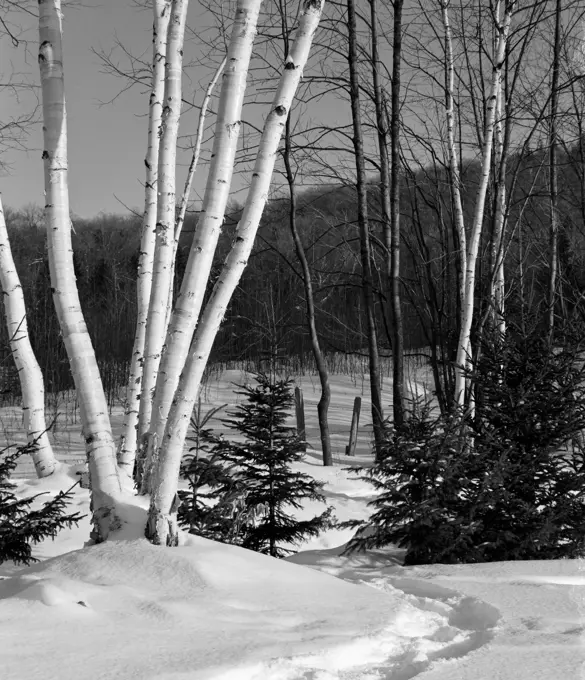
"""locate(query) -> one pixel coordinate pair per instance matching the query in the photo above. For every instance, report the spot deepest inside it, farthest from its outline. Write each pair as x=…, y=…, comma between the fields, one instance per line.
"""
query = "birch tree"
x=99, y=444
x=128, y=442
x=497, y=281
x=190, y=298
x=29, y=373
x=454, y=170
x=467, y=309
x=165, y=211
x=162, y=520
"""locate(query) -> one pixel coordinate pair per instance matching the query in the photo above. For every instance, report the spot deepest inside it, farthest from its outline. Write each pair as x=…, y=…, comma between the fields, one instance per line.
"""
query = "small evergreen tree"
x=214, y=506
x=532, y=410
x=504, y=485
x=21, y=527
x=422, y=479
x=262, y=465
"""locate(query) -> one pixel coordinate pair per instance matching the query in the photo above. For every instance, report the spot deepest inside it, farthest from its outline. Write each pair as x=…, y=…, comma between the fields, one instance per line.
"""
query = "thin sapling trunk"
x=29, y=373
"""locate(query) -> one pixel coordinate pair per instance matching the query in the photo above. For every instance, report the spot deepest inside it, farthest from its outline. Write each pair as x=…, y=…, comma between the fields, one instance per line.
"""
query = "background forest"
x=267, y=315
x=393, y=127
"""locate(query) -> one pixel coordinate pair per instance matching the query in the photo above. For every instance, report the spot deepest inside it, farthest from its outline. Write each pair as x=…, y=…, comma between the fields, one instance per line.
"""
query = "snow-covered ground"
x=126, y=609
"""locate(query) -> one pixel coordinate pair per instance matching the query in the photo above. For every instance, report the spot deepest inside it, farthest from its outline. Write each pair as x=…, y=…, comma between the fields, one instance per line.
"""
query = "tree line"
x=266, y=316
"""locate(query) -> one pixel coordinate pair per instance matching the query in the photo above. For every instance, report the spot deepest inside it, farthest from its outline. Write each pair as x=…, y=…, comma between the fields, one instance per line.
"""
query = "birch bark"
x=454, y=171
x=189, y=181
x=165, y=219
x=29, y=373
x=190, y=298
x=497, y=280
x=100, y=449
x=162, y=520
x=196, y=152
x=464, y=343
x=128, y=443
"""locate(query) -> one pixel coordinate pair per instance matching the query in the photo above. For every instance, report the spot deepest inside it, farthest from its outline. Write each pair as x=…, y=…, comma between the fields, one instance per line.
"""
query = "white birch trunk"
x=189, y=181
x=497, y=281
x=188, y=305
x=165, y=221
x=162, y=519
x=452, y=147
x=464, y=343
x=129, y=440
x=100, y=449
x=29, y=372
x=196, y=152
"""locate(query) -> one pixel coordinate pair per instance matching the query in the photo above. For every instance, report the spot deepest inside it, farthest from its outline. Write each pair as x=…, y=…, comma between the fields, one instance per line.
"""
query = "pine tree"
x=21, y=527
x=531, y=420
x=507, y=484
x=423, y=484
x=214, y=504
x=262, y=464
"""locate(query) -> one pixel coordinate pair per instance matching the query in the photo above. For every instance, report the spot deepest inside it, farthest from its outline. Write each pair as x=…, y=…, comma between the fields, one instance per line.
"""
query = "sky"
x=107, y=133
x=107, y=141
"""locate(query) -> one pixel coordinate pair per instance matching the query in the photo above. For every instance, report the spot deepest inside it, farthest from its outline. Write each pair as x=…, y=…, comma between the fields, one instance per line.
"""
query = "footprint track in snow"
x=434, y=623
x=464, y=624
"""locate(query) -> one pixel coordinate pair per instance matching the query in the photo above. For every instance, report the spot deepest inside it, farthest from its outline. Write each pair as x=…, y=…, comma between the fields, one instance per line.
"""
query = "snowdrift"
x=127, y=609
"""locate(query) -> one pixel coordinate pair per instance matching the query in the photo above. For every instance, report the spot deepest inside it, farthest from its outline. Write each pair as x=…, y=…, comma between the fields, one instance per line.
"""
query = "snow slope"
x=129, y=610
x=126, y=609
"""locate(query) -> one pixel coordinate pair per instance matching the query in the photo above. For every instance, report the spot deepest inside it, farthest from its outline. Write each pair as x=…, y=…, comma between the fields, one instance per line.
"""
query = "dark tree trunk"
x=365, y=250
x=390, y=190
x=554, y=217
x=325, y=399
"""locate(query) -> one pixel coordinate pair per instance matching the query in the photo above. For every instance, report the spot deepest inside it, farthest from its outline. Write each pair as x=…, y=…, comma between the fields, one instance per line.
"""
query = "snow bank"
x=127, y=609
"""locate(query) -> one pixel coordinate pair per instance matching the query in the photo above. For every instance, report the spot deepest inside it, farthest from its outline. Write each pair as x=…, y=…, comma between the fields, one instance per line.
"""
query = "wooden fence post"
x=300, y=411
x=353, y=433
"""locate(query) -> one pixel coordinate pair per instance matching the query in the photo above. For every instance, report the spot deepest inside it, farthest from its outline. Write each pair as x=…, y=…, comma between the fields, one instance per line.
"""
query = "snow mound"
x=128, y=609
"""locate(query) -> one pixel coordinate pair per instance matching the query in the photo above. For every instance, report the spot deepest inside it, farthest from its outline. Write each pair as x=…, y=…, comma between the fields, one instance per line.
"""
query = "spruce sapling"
x=213, y=506
x=21, y=527
x=263, y=464
x=503, y=484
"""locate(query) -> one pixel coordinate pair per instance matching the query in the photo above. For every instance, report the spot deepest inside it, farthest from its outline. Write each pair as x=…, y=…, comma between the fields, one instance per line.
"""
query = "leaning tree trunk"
x=196, y=153
x=325, y=399
x=29, y=373
x=162, y=517
x=463, y=359
x=156, y=325
x=99, y=444
x=128, y=442
x=188, y=305
x=365, y=251
x=182, y=211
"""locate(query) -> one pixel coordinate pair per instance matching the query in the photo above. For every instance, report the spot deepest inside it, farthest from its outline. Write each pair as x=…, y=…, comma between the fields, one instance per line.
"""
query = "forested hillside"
x=267, y=315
